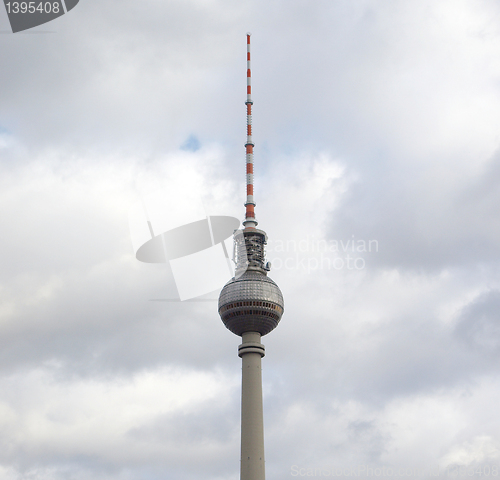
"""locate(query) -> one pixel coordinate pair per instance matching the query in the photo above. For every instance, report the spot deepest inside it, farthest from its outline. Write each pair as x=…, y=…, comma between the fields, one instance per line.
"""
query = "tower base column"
x=252, y=420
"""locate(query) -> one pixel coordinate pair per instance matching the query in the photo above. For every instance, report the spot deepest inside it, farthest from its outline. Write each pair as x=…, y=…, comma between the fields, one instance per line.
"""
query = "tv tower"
x=251, y=305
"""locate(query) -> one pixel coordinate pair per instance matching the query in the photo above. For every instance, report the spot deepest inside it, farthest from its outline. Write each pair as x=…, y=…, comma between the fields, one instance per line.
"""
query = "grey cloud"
x=422, y=226
x=479, y=325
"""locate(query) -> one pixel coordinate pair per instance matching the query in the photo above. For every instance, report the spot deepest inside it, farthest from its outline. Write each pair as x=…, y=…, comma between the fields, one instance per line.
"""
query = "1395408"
x=33, y=7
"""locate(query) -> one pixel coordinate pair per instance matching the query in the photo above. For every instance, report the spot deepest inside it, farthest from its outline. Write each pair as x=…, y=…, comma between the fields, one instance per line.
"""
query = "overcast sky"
x=377, y=135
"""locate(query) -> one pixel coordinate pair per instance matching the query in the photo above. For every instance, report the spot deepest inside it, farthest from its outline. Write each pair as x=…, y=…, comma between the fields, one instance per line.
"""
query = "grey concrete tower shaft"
x=252, y=420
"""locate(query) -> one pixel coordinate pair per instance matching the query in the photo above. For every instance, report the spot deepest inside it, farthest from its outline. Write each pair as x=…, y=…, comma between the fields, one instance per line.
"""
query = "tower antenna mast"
x=250, y=221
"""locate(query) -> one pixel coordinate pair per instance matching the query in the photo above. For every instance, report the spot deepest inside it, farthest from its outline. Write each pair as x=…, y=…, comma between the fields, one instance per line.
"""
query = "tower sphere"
x=251, y=303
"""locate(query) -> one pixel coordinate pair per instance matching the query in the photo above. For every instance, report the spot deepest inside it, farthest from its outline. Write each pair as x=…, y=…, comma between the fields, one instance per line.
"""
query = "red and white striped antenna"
x=250, y=221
